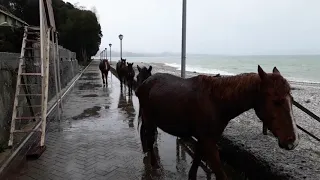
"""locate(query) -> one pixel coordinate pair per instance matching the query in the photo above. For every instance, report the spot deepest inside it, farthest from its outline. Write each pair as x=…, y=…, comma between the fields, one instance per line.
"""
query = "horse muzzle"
x=289, y=144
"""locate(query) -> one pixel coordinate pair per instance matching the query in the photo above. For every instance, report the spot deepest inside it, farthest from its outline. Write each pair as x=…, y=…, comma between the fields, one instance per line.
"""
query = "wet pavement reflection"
x=97, y=138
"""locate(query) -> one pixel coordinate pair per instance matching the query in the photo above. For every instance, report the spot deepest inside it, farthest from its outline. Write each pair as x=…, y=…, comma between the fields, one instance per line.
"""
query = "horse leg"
x=198, y=155
x=212, y=154
x=264, y=129
x=150, y=139
x=120, y=79
x=102, y=77
x=106, y=76
x=143, y=138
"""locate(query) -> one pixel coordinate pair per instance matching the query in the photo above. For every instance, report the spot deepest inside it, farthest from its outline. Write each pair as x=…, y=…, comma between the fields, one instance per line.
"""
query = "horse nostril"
x=290, y=139
x=290, y=146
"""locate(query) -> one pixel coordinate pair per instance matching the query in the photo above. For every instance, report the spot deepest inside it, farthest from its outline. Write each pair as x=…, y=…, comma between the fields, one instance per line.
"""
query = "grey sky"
x=213, y=26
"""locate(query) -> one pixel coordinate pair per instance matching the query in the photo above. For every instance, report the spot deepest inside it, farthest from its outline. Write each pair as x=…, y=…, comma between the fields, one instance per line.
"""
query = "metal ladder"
x=39, y=71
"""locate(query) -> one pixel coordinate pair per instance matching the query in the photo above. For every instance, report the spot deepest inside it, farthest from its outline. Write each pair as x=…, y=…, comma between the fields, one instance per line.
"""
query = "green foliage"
x=79, y=30
x=10, y=39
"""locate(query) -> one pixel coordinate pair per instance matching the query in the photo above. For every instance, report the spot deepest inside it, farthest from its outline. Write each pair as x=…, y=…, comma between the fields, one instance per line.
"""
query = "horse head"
x=274, y=108
x=130, y=66
x=143, y=74
x=123, y=61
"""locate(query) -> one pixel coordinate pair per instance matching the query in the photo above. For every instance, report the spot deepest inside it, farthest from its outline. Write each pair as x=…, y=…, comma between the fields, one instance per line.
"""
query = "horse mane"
x=230, y=87
x=234, y=87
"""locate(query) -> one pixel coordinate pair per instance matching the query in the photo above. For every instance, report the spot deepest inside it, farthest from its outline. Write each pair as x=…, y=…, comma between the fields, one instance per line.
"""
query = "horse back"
x=164, y=87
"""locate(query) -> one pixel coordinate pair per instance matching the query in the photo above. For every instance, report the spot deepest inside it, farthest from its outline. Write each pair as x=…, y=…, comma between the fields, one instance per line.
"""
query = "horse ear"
x=139, y=69
x=150, y=68
x=275, y=70
x=261, y=73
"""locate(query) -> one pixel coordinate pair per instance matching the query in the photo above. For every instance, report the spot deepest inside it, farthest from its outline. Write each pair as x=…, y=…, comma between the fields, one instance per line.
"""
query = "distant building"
x=8, y=19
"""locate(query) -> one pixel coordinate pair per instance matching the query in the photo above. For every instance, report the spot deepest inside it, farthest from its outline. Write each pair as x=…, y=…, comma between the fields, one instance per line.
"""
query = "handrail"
x=314, y=116
x=307, y=111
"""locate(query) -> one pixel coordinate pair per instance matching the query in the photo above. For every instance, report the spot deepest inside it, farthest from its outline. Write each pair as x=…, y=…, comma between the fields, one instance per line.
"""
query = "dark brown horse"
x=202, y=106
x=130, y=77
x=104, y=67
x=121, y=69
x=143, y=74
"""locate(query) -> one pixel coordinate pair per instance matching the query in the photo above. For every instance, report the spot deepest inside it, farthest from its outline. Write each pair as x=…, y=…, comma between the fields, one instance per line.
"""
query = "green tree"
x=79, y=29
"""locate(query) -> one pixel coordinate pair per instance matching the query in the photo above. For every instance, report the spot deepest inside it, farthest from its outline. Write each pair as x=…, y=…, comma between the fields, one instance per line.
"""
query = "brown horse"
x=143, y=74
x=202, y=106
x=121, y=69
x=104, y=67
x=130, y=77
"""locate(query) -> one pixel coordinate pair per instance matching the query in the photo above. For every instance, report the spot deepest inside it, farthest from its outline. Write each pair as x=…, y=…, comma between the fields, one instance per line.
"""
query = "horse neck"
x=235, y=94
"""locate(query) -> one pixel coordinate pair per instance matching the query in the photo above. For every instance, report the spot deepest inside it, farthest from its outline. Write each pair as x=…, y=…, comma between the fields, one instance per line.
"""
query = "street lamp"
x=110, y=51
x=105, y=49
x=183, y=39
x=120, y=37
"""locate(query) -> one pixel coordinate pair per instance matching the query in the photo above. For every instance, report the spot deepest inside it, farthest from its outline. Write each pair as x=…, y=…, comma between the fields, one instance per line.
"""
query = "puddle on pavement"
x=91, y=76
x=90, y=95
x=126, y=107
x=88, y=86
x=90, y=112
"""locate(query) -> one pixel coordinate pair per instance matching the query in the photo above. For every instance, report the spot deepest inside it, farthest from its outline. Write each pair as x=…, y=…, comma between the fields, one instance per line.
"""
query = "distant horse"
x=202, y=106
x=121, y=69
x=104, y=67
x=144, y=73
x=130, y=77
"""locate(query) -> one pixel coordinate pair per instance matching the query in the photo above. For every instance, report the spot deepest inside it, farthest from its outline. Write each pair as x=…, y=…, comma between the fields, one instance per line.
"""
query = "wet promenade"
x=97, y=138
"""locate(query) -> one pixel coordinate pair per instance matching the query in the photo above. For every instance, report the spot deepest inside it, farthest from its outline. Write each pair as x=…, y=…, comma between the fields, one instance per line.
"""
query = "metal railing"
x=311, y=114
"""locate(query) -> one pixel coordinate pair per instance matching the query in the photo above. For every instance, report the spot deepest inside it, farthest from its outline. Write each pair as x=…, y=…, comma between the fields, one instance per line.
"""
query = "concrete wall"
x=8, y=74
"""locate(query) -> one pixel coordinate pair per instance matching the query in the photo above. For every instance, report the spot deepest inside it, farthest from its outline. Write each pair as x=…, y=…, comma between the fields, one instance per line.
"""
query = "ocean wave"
x=199, y=69
x=217, y=71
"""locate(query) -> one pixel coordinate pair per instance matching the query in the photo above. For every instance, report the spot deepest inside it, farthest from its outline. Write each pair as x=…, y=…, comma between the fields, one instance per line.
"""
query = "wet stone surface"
x=97, y=138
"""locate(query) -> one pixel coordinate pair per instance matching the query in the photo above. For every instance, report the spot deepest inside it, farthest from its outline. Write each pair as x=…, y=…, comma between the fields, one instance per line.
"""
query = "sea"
x=300, y=68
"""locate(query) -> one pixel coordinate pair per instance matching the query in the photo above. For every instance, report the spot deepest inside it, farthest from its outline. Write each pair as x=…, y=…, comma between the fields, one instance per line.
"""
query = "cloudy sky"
x=213, y=26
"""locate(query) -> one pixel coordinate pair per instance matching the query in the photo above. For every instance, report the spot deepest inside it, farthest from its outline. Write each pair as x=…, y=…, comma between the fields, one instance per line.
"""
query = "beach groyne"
x=245, y=148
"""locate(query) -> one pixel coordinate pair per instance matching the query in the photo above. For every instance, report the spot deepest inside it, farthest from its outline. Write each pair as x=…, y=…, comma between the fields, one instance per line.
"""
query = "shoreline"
x=194, y=73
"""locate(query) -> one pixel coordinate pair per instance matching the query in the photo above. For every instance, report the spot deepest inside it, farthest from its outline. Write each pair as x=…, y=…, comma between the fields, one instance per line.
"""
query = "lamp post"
x=110, y=51
x=120, y=37
x=105, y=49
x=183, y=39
